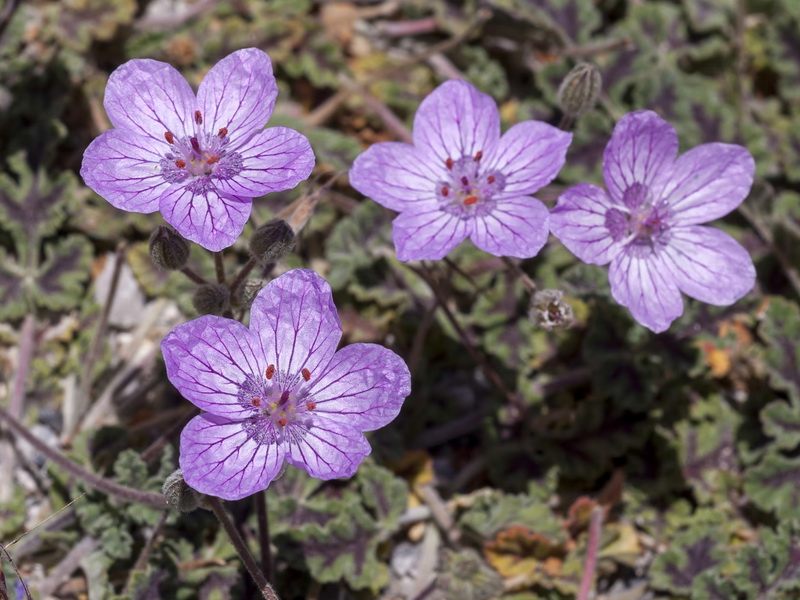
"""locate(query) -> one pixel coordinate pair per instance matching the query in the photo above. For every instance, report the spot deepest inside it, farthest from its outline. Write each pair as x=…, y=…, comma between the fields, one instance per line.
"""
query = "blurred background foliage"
x=688, y=441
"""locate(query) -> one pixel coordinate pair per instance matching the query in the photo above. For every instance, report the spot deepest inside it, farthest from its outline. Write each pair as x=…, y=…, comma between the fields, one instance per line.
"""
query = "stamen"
x=180, y=164
x=306, y=374
x=470, y=200
x=464, y=180
x=270, y=371
x=478, y=156
x=212, y=160
x=282, y=421
x=169, y=137
x=449, y=163
x=445, y=191
x=311, y=405
x=256, y=402
x=490, y=179
x=198, y=117
x=223, y=131
x=285, y=397
x=195, y=144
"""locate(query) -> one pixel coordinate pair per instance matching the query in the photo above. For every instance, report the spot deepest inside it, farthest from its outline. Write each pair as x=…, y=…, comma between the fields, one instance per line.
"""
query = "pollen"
x=478, y=155
x=195, y=144
x=449, y=163
x=490, y=179
x=311, y=405
x=212, y=159
x=198, y=117
x=445, y=191
x=223, y=131
x=180, y=163
x=306, y=374
x=169, y=137
x=256, y=401
x=270, y=371
x=282, y=421
x=469, y=200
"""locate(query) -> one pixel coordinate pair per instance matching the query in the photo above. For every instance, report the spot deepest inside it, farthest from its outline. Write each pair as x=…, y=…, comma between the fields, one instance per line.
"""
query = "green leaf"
x=383, y=493
x=465, y=576
x=706, y=15
x=61, y=277
x=772, y=485
x=781, y=421
x=689, y=554
x=496, y=511
x=781, y=329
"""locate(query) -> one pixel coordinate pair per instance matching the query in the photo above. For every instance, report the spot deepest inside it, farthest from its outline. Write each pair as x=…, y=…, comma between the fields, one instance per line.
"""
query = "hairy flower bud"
x=549, y=310
x=178, y=493
x=211, y=298
x=272, y=241
x=579, y=90
x=168, y=250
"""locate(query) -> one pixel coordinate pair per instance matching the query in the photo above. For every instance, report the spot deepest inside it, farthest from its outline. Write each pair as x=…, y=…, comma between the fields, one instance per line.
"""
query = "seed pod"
x=549, y=310
x=272, y=241
x=579, y=90
x=168, y=250
x=178, y=493
x=211, y=298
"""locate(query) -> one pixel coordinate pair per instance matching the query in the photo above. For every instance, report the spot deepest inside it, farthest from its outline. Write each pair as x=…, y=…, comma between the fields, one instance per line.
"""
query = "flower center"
x=197, y=159
x=277, y=399
x=467, y=188
x=641, y=221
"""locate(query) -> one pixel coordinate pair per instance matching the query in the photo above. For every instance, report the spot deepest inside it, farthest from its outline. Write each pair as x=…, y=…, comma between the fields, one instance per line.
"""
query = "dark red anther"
x=464, y=180
x=198, y=117
x=256, y=402
x=212, y=159
x=180, y=164
x=490, y=179
x=478, y=155
x=169, y=137
x=306, y=374
x=445, y=191
x=469, y=200
x=223, y=131
x=311, y=405
x=449, y=163
x=285, y=397
x=270, y=371
x=282, y=421
x=195, y=144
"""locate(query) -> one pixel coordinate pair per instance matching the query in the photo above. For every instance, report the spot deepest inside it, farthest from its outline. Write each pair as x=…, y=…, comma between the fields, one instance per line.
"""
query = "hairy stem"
x=263, y=534
x=23, y=365
x=595, y=525
x=193, y=276
x=242, y=275
x=219, y=265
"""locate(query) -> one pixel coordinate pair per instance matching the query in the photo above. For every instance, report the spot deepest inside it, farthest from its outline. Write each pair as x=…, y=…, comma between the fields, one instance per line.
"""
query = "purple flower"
x=201, y=159
x=647, y=223
x=279, y=391
x=461, y=179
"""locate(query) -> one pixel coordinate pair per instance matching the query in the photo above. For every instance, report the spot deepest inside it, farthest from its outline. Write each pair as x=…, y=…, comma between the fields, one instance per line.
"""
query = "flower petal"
x=397, y=175
x=326, y=449
x=579, y=222
x=273, y=160
x=514, y=227
x=529, y=155
x=428, y=235
x=150, y=98
x=220, y=459
x=238, y=93
x=642, y=282
x=202, y=215
x=707, y=182
x=123, y=167
x=207, y=360
x=642, y=145
x=456, y=120
x=709, y=265
x=297, y=322
x=363, y=386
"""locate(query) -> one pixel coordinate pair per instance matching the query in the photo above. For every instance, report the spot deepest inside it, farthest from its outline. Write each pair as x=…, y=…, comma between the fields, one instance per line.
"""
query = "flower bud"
x=272, y=241
x=168, y=250
x=210, y=298
x=579, y=90
x=178, y=493
x=549, y=310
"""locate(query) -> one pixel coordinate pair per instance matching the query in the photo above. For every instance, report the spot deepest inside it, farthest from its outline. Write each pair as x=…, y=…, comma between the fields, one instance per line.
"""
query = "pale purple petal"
x=273, y=160
x=529, y=155
x=706, y=183
x=238, y=93
x=709, y=265
x=297, y=321
x=208, y=359
x=202, y=215
x=514, y=227
x=327, y=449
x=150, y=98
x=363, y=386
x=123, y=167
x=579, y=222
x=219, y=458
x=456, y=120
x=641, y=281
x=642, y=146
x=397, y=176
x=429, y=235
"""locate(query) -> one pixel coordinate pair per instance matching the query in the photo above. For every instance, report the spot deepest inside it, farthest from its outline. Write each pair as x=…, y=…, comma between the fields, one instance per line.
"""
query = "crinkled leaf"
x=781, y=421
x=13, y=300
x=705, y=15
x=690, y=553
x=383, y=493
x=527, y=558
x=82, y=21
x=772, y=485
x=781, y=329
x=464, y=575
x=497, y=511
x=59, y=283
